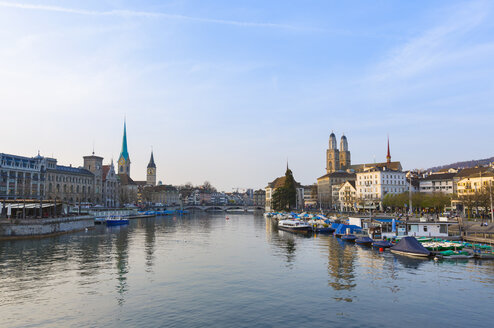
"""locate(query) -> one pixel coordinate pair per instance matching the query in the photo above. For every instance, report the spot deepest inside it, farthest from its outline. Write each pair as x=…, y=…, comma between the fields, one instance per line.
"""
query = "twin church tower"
x=337, y=160
x=124, y=162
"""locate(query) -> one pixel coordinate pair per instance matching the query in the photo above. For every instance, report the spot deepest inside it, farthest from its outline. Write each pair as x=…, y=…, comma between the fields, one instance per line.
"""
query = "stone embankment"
x=37, y=228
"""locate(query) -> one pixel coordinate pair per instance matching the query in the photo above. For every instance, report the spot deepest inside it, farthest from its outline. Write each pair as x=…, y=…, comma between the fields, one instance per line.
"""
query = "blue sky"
x=226, y=91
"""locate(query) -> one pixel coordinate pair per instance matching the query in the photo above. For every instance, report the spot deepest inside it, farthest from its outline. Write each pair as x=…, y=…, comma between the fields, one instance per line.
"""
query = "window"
x=425, y=228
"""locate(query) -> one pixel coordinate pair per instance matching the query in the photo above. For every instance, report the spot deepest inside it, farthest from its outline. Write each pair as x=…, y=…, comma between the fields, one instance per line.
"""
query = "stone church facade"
x=337, y=160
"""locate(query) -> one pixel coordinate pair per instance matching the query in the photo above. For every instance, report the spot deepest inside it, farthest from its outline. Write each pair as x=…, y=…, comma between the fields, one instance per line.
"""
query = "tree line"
x=435, y=201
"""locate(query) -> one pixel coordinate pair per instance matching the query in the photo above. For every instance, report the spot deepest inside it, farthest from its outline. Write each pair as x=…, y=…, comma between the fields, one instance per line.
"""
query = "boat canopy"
x=387, y=220
x=341, y=228
x=410, y=245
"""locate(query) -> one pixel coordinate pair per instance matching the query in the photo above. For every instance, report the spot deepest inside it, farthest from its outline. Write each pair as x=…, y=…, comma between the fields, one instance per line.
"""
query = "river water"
x=202, y=270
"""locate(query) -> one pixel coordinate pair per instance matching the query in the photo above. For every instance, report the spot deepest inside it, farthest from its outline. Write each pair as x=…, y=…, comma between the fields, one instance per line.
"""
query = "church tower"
x=345, y=159
x=151, y=172
x=124, y=159
x=388, y=157
x=332, y=155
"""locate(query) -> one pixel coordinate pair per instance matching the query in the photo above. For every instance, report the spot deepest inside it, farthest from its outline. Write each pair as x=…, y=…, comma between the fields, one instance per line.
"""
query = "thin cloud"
x=435, y=48
x=148, y=14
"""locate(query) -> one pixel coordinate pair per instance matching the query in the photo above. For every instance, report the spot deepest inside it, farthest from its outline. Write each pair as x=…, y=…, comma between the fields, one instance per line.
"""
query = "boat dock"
x=474, y=239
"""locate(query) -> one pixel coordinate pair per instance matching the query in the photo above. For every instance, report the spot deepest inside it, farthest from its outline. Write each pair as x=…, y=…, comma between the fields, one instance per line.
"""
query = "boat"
x=349, y=238
x=409, y=246
x=339, y=229
x=364, y=241
x=442, y=246
x=99, y=220
x=452, y=255
x=294, y=226
x=319, y=226
x=323, y=230
x=382, y=244
x=114, y=221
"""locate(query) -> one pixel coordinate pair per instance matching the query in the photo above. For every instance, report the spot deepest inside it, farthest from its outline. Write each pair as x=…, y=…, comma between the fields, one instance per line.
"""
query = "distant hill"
x=465, y=164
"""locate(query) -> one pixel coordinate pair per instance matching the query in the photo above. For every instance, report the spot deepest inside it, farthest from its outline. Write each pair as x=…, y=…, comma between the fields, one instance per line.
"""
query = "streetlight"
x=490, y=195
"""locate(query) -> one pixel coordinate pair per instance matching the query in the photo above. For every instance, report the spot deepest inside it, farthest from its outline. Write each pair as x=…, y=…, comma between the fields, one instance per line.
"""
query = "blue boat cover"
x=410, y=245
x=341, y=228
x=350, y=237
x=364, y=240
x=354, y=228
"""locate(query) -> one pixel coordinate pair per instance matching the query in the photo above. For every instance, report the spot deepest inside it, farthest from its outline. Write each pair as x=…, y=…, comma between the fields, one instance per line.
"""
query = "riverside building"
x=438, y=182
x=22, y=177
x=373, y=184
x=69, y=184
x=111, y=186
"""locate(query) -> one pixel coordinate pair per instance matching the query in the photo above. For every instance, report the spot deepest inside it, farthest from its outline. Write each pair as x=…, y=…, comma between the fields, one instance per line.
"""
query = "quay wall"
x=13, y=229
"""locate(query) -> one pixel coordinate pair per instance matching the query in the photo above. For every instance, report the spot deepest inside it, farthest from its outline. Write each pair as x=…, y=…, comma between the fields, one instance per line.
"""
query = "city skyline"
x=226, y=92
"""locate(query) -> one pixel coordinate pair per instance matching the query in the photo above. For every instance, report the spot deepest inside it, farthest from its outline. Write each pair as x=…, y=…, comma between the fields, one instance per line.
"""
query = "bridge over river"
x=219, y=208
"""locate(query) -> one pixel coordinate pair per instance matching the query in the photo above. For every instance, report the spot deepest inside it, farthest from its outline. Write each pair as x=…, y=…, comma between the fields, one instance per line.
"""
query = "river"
x=202, y=270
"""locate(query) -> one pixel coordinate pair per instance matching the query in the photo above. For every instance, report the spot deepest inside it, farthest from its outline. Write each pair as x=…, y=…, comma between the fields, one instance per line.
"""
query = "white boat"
x=294, y=226
x=409, y=254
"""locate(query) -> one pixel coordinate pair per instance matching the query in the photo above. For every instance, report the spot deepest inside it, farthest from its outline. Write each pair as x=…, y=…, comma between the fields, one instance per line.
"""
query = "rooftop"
x=439, y=176
x=280, y=182
x=338, y=174
x=125, y=179
x=394, y=166
x=74, y=170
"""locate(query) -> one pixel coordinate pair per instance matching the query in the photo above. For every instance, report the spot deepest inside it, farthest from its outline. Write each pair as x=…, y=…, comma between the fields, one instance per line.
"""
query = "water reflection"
x=341, y=258
x=150, y=231
x=410, y=262
x=201, y=270
x=285, y=242
x=121, y=259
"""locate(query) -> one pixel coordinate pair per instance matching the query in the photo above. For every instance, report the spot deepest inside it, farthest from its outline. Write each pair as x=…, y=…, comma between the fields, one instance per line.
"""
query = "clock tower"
x=151, y=172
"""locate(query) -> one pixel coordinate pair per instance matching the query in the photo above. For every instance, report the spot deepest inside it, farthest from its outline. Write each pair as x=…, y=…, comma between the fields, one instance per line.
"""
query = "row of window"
x=67, y=189
x=72, y=179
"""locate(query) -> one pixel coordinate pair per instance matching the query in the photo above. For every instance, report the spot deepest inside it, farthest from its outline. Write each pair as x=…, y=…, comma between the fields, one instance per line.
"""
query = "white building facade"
x=438, y=182
x=374, y=184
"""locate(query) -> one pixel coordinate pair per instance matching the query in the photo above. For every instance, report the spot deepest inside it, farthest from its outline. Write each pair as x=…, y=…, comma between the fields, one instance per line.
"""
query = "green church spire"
x=125, y=153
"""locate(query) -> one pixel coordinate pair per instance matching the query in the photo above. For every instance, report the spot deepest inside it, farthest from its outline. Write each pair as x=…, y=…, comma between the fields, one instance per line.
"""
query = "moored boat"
x=452, y=255
x=114, y=221
x=294, y=226
x=323, y=230
x=349, y=238
x=382, y=244
x=409, y=246
x=99, y=220
x=364, y=241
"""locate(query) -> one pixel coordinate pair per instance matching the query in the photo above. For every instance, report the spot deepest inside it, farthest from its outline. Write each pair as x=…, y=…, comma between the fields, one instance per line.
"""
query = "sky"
x=229, y=91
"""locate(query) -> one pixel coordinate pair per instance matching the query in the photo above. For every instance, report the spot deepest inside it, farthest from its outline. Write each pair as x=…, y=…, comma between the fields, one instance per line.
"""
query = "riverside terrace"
x=30, y=209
